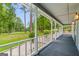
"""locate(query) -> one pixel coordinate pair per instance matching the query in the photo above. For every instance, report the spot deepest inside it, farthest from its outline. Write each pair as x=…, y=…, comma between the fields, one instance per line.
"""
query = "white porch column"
x=36, y=38
x=77, y=34
x=51, y=31
x=59, y=33
x=55, y=31
x=62, y=29
x=73, y=33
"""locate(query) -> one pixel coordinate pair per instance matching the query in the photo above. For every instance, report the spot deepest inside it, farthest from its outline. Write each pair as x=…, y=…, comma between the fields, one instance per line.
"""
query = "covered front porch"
x=57, y=40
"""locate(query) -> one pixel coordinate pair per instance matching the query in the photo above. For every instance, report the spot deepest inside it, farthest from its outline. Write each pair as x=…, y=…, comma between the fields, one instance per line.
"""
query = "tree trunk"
x=24, y=21
x=31, y=18
x=30, y=23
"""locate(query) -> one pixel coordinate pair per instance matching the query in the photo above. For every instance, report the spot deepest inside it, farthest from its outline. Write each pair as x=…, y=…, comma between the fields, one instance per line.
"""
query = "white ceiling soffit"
x=62, y=11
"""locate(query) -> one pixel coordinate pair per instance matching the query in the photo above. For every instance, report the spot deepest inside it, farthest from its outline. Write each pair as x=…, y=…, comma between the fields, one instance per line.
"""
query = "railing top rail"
x=17, y=42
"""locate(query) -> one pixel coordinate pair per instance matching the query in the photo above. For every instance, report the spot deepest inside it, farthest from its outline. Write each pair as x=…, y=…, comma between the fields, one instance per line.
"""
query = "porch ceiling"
x=63, y=12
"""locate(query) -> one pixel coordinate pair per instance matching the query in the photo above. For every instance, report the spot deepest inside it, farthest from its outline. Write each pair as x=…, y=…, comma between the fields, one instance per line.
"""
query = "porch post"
x=73, y=30
x=55, y=31
x=62, y=29
x=51, y=30
x=36, y=38
x=77, y=34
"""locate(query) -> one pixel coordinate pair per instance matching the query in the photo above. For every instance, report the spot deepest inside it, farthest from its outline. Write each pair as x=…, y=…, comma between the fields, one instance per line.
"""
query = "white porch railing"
x=26, y=47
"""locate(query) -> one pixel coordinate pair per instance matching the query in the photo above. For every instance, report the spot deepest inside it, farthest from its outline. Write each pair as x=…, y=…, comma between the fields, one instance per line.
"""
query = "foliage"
x=46, y=31
x=43, y=23
x=8, y=20
x=67, y=28
x=31, y=34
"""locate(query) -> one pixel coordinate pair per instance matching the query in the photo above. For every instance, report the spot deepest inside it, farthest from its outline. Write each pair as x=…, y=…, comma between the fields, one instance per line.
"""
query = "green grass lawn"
x=6, y=38
x=12, y=37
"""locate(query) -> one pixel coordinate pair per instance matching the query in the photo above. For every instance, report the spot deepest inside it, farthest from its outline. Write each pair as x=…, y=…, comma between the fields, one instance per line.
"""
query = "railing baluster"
x=46, y=39
x=19, y=49
x=26, y=48
x=10, y=51
x=30, y=46
x=42, y=41
x=40, y=44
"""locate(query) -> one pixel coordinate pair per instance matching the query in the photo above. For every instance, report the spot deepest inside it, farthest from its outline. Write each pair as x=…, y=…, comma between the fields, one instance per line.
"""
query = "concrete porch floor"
x=63, y=46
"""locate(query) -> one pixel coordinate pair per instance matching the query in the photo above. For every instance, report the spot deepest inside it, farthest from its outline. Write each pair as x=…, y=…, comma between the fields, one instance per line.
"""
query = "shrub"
x=31, y=35
x=46, y=31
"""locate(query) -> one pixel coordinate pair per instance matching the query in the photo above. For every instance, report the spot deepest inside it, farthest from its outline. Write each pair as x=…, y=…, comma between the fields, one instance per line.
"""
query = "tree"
x=43, y=23
x=23, y=8
x=19, y=25
x=8, y=19
x=30, y=18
